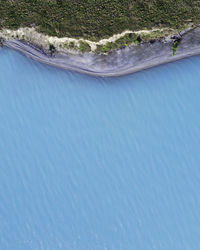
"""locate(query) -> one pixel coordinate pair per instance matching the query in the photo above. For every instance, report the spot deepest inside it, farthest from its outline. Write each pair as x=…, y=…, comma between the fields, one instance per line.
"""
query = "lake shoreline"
x=116, y=63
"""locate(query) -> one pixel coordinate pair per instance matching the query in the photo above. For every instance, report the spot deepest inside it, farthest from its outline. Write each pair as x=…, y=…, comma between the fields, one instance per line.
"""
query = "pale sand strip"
x=31, y=35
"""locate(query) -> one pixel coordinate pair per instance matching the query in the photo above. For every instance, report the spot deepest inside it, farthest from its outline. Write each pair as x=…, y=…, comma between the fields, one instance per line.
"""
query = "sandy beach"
x=117, y=63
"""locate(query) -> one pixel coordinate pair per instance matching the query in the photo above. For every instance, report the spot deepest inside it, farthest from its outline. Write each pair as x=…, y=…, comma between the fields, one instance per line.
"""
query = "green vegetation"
x=72, y=45
x=95, y=19
x=122, y=42
x=175, y=46
x=105, y=48
x=84, y=46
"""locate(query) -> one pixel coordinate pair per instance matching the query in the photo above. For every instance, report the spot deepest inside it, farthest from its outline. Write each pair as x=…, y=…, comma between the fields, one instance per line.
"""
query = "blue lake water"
x=91, y=163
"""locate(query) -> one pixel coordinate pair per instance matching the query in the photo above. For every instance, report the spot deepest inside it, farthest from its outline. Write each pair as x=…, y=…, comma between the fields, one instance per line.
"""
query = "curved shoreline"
x=117, y=63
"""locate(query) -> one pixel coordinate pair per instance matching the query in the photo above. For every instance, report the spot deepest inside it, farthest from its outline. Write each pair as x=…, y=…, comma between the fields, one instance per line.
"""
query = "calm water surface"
x=91, y=164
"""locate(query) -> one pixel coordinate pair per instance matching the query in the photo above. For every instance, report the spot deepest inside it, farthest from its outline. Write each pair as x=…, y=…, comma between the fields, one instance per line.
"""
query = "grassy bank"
x=96, y=19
